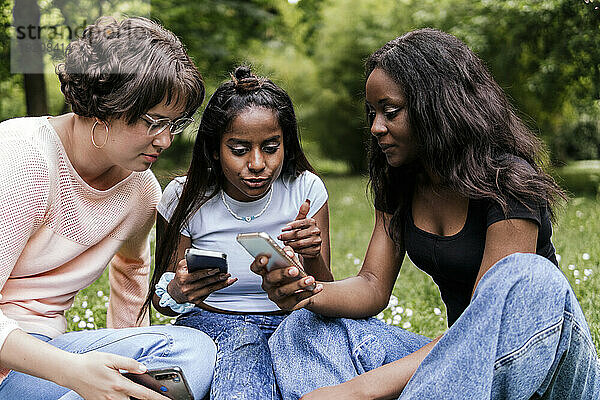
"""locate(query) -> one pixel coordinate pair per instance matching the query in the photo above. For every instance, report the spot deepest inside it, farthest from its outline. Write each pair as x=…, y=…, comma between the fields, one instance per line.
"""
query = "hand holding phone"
x=260, y=243
x=169, y=382
x=202, y=273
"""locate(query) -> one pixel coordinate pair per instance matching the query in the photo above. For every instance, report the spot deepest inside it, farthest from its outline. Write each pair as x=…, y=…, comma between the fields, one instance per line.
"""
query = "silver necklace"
x=250, y=217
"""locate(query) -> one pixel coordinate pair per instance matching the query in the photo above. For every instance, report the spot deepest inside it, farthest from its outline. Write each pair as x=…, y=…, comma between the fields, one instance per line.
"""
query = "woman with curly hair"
x=77, y=194
x=457, y=186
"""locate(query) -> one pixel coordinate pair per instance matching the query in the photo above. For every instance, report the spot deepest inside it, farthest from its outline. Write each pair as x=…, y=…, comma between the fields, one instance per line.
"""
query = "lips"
x=255, y=182
x=385, y=146
x=150, y=157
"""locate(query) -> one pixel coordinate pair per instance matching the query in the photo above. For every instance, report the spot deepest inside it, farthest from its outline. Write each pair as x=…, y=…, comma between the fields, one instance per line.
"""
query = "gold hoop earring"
x=92, y=134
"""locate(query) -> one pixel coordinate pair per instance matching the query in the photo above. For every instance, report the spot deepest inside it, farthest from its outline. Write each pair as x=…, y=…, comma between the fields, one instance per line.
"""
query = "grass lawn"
x=415, y=304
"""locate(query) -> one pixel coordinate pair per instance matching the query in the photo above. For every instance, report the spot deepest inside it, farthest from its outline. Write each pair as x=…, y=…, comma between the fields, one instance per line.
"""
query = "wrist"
x=165, y=299
x=364, y=389
x=68, y=365
x=174, y=293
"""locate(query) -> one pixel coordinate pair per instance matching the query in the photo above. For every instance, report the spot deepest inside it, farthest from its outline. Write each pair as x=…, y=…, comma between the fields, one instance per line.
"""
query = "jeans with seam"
x=157, y=346
x=243, y=369
x=523, y=336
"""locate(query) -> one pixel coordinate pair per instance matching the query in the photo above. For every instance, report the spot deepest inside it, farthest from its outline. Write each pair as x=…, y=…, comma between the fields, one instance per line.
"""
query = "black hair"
x=205, y=177
x=466, y=132
x=123, y=69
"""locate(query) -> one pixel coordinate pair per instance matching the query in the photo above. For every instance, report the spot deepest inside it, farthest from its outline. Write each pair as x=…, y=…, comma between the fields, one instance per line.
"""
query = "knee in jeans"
x=296, y=319
x=190, y=337
x=244, y=334
x=531, y=269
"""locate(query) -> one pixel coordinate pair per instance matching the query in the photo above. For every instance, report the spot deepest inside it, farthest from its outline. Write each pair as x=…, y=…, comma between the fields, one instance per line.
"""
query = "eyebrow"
x=246, y=142
x=386, y=101
x=160, y=116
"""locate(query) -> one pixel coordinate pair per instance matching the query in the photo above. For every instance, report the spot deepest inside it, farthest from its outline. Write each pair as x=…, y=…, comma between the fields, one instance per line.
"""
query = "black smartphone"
x=205, y=259
x=170, y=382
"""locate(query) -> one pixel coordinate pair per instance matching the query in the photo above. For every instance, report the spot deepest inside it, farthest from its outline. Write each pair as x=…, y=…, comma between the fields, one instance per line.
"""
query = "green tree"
x=545, y=54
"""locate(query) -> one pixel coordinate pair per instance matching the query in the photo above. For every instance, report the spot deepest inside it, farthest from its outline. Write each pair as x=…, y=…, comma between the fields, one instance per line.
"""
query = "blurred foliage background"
x=544, y=53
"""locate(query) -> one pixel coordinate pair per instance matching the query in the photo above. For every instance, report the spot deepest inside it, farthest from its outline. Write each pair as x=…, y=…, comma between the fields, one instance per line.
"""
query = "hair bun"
x=242, y=72
x=244, y=80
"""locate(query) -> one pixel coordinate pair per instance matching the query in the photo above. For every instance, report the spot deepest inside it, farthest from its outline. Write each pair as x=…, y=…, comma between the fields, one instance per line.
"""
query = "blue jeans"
x=522, y=336
x=154, y=346
x=243, y=369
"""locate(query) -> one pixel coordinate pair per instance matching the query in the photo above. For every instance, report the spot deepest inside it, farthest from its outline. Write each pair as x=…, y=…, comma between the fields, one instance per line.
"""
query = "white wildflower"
x=406, y=325
x=347, y=200
x=437, y=311
x=585, y=256
x=81, y=324
x=409, y=312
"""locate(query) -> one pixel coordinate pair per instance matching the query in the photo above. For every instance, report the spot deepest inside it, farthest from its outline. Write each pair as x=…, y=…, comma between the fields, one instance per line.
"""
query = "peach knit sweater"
x=57, y=233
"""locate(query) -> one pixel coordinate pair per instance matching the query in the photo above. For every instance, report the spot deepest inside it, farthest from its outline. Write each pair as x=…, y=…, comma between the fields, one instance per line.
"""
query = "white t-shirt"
x=214, y=228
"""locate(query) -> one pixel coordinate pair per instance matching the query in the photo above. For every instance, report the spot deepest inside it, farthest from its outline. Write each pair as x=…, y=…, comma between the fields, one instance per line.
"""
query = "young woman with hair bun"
x=77, y=194
x=248, y=174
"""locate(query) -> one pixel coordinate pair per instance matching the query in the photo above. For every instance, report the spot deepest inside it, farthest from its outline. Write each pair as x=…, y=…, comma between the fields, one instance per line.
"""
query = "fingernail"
x=142, y=368
x=289, y=253
x=293, y=271
x=262, y=260
x=308, y=201
x=309, y=281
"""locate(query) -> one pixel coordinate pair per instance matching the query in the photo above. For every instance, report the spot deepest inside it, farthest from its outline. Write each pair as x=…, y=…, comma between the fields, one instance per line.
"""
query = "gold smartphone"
x=260, y=243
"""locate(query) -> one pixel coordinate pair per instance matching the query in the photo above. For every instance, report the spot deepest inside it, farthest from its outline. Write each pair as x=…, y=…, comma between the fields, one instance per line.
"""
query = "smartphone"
x=205, y=259
x=261, y=243
x=170, y=382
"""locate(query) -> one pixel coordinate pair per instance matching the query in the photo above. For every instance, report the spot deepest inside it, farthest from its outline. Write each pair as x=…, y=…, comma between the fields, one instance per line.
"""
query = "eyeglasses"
x=159, y=125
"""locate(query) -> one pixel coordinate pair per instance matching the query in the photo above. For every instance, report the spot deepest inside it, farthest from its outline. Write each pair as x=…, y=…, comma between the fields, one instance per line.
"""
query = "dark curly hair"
x=466, y=132
x=205, y=175
x=122, y=69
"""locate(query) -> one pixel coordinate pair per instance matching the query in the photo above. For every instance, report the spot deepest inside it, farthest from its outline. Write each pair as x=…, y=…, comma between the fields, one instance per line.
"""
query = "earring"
x=92, y=134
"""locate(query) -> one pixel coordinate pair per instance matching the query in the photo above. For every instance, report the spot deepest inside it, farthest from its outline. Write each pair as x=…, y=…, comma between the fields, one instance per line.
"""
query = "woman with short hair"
x=77, y=194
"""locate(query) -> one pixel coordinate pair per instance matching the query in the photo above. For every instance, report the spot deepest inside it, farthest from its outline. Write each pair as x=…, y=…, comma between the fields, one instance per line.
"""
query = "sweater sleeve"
x=24, y=194
x=130, y=267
